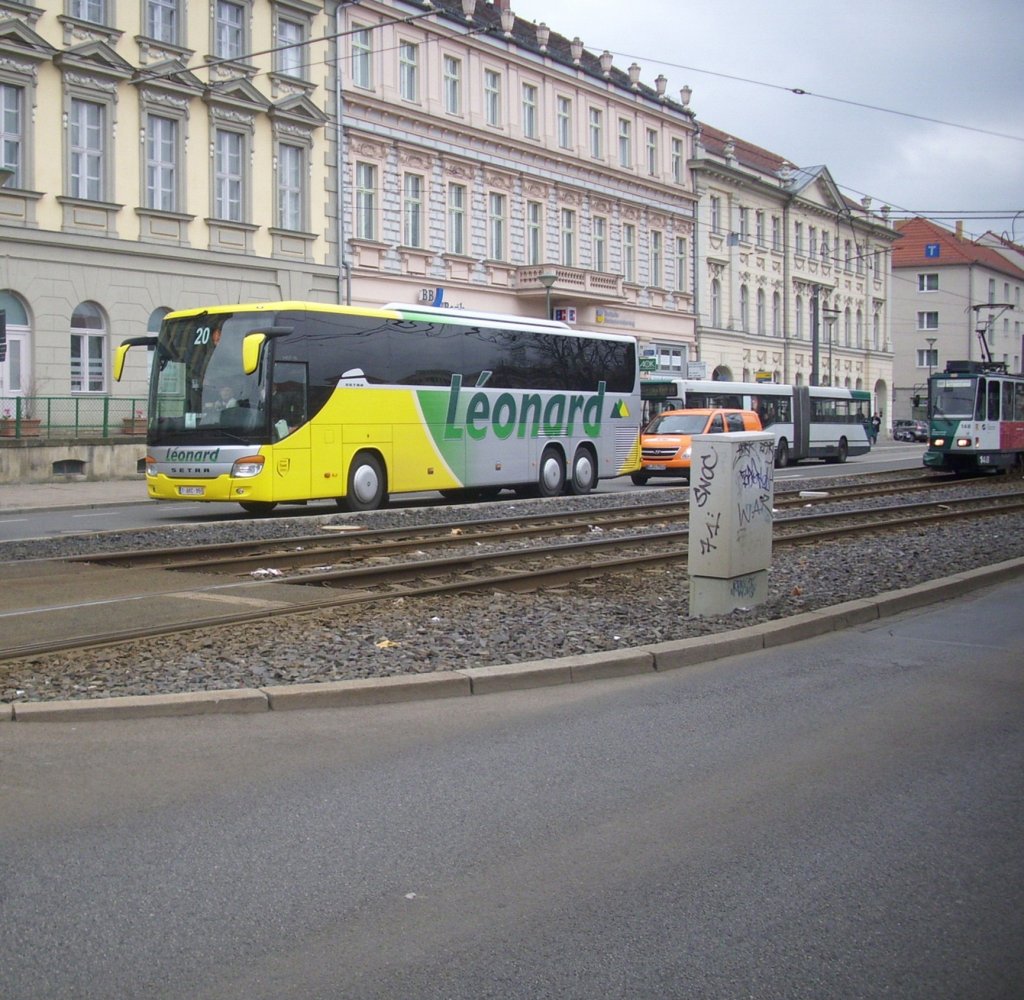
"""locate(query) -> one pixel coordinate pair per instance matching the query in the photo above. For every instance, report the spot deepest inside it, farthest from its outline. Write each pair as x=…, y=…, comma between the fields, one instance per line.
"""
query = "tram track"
x=622, y=544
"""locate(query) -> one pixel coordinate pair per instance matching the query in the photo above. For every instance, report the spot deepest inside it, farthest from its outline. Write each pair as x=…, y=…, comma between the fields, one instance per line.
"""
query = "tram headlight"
x=246, y=468
x=939, y=442
x=963, y=442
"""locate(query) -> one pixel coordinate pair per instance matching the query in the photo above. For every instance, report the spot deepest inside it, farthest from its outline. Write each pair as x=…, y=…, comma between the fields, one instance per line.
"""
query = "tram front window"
x=953, y=397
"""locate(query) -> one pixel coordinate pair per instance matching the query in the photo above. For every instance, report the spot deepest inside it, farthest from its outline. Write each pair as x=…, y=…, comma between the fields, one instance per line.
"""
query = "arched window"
x=876, y=331
x=847, y=324
x=760, y=313
x=860, y=328
x=716, y=302
x=88, y=349
x=15, y=374
x=799, y=317
x=744, y=308
x=776, y=314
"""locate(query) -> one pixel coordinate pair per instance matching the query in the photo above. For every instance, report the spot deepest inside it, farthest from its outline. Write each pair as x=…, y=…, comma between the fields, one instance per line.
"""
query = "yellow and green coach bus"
x=288, y=402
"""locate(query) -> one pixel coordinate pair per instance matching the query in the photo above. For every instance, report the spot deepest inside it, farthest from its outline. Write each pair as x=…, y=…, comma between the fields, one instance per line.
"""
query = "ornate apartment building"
x=160, y=154
x=793, y=279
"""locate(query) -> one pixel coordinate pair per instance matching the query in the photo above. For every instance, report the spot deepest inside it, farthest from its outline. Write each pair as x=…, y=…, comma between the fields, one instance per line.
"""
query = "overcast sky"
x=960, y=63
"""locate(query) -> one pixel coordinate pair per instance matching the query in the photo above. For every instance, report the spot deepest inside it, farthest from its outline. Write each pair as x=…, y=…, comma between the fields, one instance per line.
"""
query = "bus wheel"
x=841, y=454
x=584, y=473
x=367, y=488
x=551, y=480
x=639, y=479
x=257, y=506
x=782, y=454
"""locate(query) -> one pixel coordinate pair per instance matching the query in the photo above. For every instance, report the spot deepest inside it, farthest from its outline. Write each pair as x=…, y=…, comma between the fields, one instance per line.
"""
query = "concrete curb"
x=518, y=676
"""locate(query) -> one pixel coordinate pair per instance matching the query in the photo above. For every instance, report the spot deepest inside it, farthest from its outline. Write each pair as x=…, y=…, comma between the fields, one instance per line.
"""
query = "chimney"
x=502, y=4
x=960, y=229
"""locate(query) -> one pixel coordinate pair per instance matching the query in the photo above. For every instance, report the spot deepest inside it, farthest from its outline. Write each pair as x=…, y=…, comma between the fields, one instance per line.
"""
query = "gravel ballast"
x=450, y=632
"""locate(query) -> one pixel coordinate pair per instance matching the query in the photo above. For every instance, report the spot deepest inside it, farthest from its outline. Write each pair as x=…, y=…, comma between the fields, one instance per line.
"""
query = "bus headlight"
x=150, y=466
x=246, y=468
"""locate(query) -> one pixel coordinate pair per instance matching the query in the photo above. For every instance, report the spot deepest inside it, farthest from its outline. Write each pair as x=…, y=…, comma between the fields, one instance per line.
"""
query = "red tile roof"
x=921, y=233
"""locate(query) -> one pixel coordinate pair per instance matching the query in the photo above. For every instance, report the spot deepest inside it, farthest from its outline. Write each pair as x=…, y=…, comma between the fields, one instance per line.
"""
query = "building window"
x=86, y=124
x=408, y=71
x=991, y=291
x=812, y=242
x=625, y=143
x=716, y=214
x=744, y=308
x=716, y=302
x=291, y=170
x=412, y=210
x=496, y=222
x=799, y=314
x=534, y=232
x=657, y=259
x=228, y=177
x=761, y=317
x=12, y=134
x=452, y=85
x=682, y=263
x=291, y=55
x=596, y=133
x=600, y=230
x=229, y=30
x=93, y=11
x=88, y=349
x=568, y=237
x=671, y=358
x=860, y=328
x=847, y=254
x=928, y=282
x=876, y=331
x=492, y=97
x=629, y=251
x=927, y=357
x=744, y=224
x=776, y=314
x=826, y=250
x=678, y=161
x=162, y=20
x=361, y=54
x=563, y=122
x=847, y=327
x=366, y=201
x=161, y=163
x=457, y=219
x=927, y=321
x=652, y=152
x=759, y=228
x=530, y=111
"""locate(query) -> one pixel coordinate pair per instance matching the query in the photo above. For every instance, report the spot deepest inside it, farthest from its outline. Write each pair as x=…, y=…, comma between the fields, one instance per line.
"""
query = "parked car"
x=665, y=443
x=909, y=430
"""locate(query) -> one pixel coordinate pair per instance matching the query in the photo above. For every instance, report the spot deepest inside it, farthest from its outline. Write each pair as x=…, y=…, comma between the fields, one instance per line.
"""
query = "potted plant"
x=134, y=425
x=15, y=424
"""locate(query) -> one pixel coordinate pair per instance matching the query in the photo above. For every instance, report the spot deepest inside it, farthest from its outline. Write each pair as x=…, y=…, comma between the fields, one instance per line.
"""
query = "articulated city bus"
x=287, y=402
x=807, y=421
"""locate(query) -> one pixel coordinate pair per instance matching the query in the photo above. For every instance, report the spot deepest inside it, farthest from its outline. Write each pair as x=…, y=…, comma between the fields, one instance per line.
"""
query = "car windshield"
x=678, y=423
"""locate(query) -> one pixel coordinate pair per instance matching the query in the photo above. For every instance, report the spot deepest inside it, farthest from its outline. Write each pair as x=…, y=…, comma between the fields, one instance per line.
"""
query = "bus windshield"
x=953, y=397
x=200, y=388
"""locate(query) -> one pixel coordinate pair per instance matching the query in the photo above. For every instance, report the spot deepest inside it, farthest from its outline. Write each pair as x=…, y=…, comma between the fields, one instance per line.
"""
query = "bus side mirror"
x=122, y=352
x=252, y=346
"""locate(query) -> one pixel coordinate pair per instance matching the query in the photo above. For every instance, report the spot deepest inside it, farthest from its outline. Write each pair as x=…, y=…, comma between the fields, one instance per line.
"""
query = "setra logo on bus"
x=525, y=415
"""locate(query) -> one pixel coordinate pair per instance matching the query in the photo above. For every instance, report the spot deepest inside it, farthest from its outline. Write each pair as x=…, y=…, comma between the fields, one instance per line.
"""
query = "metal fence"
x=72, y=416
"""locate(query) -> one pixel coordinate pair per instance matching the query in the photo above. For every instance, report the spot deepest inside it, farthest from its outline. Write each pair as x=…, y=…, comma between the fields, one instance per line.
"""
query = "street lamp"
x=831, y=315
x=547, y=279
x=930, y=341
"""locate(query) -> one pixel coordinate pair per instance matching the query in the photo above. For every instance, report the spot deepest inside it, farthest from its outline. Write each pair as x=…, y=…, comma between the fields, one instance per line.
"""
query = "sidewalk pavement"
x=16, y=497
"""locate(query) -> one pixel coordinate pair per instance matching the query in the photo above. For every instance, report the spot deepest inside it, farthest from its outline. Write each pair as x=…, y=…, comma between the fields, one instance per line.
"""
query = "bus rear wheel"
x=551, y=476
x=367, y=486
x=584, y=473
x=841, y=454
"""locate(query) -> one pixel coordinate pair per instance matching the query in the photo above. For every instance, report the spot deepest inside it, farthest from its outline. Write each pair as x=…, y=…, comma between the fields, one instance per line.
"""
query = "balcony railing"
x=71, y=417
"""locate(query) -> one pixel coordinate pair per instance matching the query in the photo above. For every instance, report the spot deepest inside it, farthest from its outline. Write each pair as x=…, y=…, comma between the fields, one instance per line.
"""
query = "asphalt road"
x=838, y=818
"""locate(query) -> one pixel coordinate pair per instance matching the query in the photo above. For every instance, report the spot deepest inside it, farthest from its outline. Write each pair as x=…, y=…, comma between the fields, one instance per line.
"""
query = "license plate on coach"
x=653, y=467
x=191, y=491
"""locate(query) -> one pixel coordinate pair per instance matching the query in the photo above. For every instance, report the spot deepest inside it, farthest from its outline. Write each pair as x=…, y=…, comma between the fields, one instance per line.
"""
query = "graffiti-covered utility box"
x=732, y=488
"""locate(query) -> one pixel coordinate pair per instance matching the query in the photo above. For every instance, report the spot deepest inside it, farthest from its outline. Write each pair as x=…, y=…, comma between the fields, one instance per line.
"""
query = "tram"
x=976, y=418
